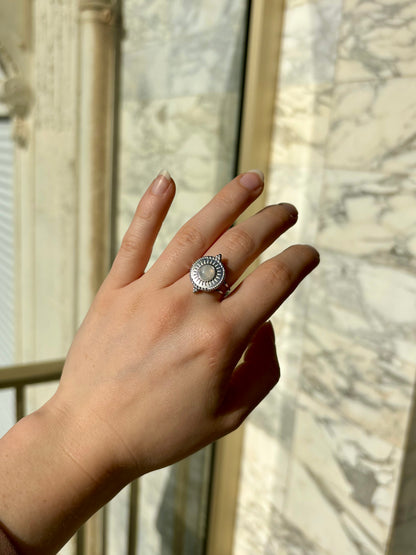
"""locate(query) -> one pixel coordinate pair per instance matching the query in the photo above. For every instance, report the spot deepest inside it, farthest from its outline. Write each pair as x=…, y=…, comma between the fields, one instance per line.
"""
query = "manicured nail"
x=161, y=183
x=252, y=180
x=290, y=208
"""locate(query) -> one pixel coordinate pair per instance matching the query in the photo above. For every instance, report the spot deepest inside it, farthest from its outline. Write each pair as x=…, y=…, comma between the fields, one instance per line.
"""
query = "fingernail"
x=290, y=208
x=252, y=180
x=161, y=183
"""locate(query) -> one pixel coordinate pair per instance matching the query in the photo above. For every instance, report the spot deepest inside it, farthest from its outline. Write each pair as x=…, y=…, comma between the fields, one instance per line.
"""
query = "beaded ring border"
x=208, y=274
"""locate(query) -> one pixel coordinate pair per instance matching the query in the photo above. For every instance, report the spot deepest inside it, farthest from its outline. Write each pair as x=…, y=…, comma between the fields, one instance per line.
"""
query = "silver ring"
x=208, y=274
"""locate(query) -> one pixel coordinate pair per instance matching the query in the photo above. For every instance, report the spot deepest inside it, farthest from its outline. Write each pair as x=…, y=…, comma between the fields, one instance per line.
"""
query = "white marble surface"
x=363, y=386
x=301, y=125
x=354, y=298
x=192, y=63
x=326, y=517
x=300, y=186
x=370, y=215
x=266, y=447
x=161, y=20
x=343, y=153
x=341, y=456
x=377, y=40
x=309, y=39
x=373, y=126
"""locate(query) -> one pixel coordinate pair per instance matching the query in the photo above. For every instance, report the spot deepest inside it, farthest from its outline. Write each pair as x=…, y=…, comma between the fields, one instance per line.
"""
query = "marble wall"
x=325, y=452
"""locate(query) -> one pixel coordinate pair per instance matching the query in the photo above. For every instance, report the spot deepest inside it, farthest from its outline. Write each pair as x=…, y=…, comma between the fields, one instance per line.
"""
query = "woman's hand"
x=155, y=366
x=154, y=372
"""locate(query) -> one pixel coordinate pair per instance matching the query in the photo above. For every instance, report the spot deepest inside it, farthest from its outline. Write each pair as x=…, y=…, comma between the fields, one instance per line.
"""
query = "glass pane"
x=6, y=244
x=7, y=399
x=182, y=74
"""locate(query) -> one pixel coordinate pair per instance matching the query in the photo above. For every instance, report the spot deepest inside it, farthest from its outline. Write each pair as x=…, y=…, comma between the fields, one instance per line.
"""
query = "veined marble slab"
x=203, y=126
x=308, y=51
x=262, y=488
x=360, y=349
x=373, y=305
x=207, y=62
x=377, y=40
x=328, y=518
x=162, y=20
x=145, y=22
x=358, y=383
x=203, y=63
x=198, y=15
x=373, y=126
x=289, y=324
x=341, y=454
x=301, y=186
x=275, y=416
x=144, y=133
x=301, y=125
x=371, y=215
x=200, y=127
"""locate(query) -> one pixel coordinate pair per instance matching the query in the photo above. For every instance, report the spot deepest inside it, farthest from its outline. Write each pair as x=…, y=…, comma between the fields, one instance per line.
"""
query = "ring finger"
x=242, y=244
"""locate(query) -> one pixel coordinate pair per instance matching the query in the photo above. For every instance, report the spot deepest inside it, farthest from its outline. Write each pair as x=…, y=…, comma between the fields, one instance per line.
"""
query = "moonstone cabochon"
x=207, y=273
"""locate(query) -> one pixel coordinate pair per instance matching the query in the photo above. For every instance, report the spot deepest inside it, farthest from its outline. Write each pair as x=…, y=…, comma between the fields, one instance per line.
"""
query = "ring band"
x=208, y=274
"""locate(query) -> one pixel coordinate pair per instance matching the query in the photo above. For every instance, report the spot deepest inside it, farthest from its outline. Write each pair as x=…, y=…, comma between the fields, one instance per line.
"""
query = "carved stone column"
x=15, y=56
x=99, y=36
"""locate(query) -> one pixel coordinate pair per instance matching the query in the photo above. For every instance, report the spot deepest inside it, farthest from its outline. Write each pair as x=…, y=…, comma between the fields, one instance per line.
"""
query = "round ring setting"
x=208, y=274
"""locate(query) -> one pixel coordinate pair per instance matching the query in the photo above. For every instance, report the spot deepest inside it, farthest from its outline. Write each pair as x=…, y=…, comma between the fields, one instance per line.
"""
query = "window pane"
x=6, y=244
x=7, y=399
x=182, y=74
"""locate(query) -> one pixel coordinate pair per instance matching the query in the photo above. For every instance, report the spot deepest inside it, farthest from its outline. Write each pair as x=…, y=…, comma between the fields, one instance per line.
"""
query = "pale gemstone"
x=206, y=272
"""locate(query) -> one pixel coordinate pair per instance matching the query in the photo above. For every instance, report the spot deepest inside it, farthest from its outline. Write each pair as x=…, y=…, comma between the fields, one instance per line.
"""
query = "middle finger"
x=201, y=231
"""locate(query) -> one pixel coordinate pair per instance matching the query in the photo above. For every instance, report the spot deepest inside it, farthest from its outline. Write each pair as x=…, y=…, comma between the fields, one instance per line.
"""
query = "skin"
x=155, y=372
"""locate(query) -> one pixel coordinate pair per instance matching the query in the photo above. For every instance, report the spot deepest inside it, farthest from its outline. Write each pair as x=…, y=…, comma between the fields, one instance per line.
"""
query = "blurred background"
x=95, y=98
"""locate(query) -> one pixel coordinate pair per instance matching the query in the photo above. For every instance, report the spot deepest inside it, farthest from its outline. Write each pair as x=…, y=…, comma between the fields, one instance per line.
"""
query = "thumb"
x=252, y=380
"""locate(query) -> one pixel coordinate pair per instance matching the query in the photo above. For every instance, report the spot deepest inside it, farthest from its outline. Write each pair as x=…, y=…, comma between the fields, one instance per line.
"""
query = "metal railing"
x=93, y=539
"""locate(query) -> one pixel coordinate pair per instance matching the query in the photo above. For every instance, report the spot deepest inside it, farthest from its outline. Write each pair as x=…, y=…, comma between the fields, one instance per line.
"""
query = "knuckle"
x=168, y=316
x=189, y=235
x=241, y=241
x=278, y=271
x=224, y=199
x=130, y=243
x=234, y=420
x=218, y=335
x=145, y=212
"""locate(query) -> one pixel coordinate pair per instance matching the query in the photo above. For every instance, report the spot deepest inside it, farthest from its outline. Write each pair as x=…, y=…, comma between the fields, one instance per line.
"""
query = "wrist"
x=90, y=439
x=44, y=463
